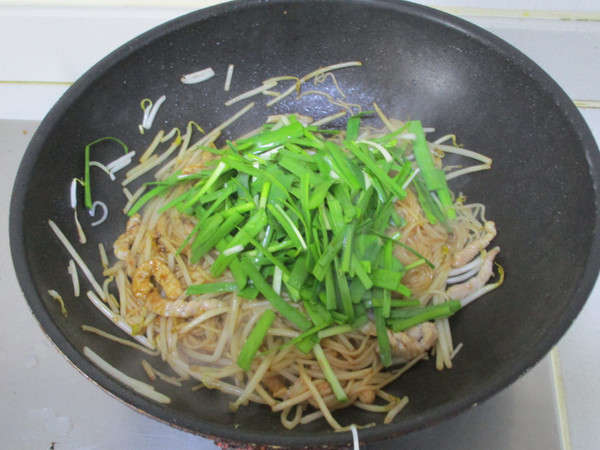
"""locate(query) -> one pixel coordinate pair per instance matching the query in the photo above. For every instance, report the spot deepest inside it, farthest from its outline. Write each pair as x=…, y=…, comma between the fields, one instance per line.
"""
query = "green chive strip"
x=197, y=289
x=435, y=179
x=255, y=339
x=336, y=387
x=382, y=338
x=251, y=228
x=284, y=308
x=428, y=313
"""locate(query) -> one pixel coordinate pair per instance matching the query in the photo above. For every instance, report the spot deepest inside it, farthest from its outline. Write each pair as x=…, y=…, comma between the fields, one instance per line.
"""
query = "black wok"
x=417, y=62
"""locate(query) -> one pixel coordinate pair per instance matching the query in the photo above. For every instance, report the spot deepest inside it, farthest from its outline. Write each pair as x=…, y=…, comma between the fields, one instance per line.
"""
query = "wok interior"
x=416, y=64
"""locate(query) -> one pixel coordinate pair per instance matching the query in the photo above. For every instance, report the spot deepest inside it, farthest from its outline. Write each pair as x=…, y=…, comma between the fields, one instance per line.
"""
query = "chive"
x=218, y=195
x=382, y=193
x=431, y=209
x=383, y=215
x=242, y=182
x=333, y=331
x=361, y=317
x=403, y=173
x=189, y=237
x=307, y=344
x=221, y=166
x=336, y=387
x=299, y=217
x=347, y=252
x=155, y=192
x=240, y=208
x=326, y=258
x=417, y=263
x=335, y=215
x=205, y=229
x=330, y=294
x=298, y=276
x=277, y=279
x=386, y=279
x=432, y=312
x=196, y=289
x=364, y=199
x=305, y=339
x=344, y=291
x=286, y=310
x=264, y=195
x=382, y=338
x=255, y=339
x=263, y=255
x=285, y=244
x=442, y=308
x=386, y=304
x=219, y=230
x=272, y=139
x=322, y=165
x=180, y=201
x=319, y=308
x=313, y=314
x=403, y=303
x=407, y=247
x=375, y=169
x=293, y=166
x=353, y=125
x=357, y=290
x=339, y=317
x=389, y=279
x=216, y=205
x=314, y=140
x=289, y=226
x=296, y=152
x=305, y=180
x=342, y=166
x=361, y=273
x=249, y=292
x=391, y=135
x=242, y=165
x=434, y=178
x=238, y=274
x=318, y=194
x=251, y=228
x=342, y=193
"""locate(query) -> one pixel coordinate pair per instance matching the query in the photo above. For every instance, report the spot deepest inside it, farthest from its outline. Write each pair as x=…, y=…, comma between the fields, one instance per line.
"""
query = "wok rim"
x=297, y=438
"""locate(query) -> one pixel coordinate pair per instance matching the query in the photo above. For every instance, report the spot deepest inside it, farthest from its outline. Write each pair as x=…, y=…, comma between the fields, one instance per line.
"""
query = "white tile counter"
x=46, y=45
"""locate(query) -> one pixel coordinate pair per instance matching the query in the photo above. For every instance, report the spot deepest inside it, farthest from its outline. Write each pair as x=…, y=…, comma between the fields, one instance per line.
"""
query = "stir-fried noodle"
x=201, y=336
x=366, y=308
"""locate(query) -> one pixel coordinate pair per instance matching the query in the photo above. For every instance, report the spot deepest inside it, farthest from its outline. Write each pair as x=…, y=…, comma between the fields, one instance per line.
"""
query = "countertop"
x=47, y=403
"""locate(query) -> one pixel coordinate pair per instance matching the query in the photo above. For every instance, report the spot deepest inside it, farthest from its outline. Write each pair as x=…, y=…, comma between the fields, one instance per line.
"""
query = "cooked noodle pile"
x=201, y=335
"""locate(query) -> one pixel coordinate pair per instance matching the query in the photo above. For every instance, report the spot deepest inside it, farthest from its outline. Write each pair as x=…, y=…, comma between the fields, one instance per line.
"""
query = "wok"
x=417, y=62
